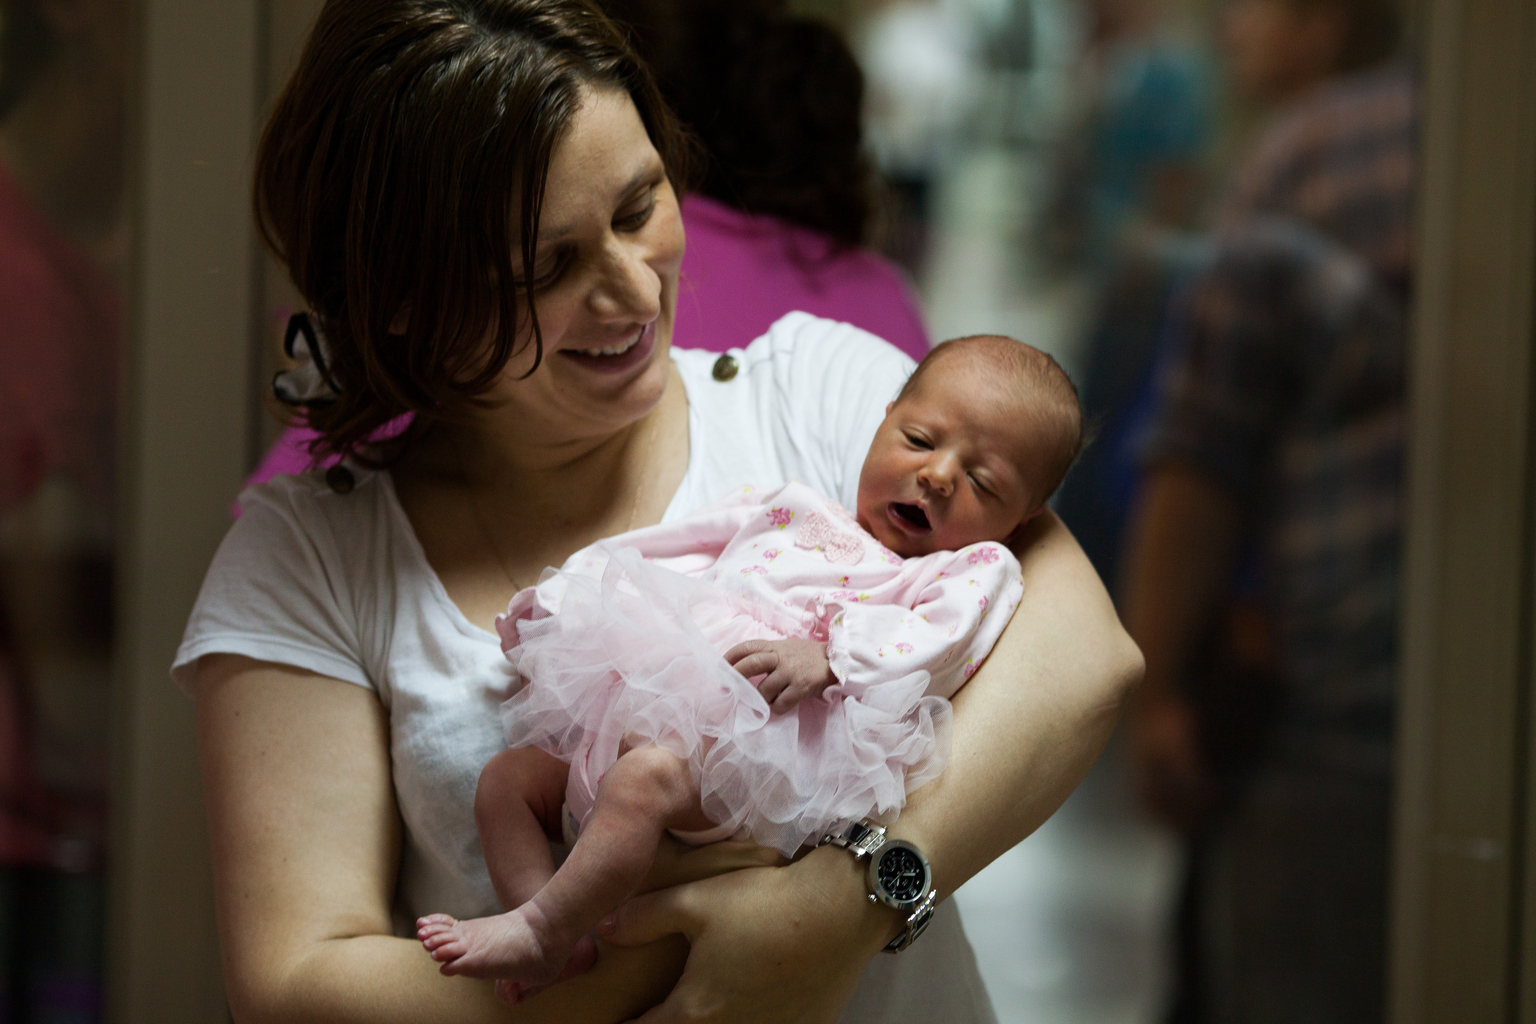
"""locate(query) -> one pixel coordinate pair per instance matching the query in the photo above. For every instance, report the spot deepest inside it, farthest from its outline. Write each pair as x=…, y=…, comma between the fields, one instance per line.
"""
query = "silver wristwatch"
x=898, y=876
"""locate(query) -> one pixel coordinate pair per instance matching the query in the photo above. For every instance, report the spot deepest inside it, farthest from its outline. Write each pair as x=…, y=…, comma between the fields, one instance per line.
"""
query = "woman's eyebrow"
x=630, y=186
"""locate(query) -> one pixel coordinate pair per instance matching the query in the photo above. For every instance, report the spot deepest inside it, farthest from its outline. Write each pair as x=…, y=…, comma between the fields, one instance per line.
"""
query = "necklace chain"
x=490, y=538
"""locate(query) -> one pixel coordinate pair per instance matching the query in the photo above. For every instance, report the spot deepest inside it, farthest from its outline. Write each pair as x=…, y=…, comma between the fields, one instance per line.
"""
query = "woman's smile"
x=617, y=357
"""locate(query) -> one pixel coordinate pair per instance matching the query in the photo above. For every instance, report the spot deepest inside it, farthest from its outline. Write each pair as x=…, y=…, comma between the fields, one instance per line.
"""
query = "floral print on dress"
x=780, y=516
x=985, y=555
x=904, y=648
x=773, y=553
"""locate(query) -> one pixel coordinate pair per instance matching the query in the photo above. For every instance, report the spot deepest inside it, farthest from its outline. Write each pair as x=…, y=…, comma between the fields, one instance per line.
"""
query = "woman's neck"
x=498, y=460
x=492, y=507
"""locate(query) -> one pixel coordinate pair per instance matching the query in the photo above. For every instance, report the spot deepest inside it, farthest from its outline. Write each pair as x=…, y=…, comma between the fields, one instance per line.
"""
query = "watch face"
x=902, y=874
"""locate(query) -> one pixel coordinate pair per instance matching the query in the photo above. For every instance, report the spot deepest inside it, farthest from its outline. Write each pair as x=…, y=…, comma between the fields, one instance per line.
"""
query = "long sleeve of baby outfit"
x=962, y=601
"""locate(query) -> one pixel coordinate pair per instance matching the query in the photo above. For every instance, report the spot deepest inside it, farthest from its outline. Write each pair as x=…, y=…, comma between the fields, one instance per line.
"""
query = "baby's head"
x=981, y=435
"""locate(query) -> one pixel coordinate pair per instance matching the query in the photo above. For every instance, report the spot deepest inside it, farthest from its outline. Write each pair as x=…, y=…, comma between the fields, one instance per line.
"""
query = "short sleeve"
x=276, y=591
x=833, y=383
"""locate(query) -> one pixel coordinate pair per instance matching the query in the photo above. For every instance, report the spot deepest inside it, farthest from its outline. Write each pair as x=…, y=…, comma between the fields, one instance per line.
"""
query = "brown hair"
x=1036, y=379
x=411, y=137
x=774, y=98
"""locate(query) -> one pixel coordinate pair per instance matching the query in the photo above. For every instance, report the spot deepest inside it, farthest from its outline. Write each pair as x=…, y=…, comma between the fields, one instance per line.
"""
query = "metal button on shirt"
x=725, y=368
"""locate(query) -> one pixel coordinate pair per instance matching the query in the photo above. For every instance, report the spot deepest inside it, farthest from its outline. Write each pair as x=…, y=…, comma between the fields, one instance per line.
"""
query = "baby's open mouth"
x=912, y=514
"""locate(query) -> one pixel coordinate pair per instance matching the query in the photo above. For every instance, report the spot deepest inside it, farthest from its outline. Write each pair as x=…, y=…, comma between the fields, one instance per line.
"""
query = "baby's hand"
x=792, y=669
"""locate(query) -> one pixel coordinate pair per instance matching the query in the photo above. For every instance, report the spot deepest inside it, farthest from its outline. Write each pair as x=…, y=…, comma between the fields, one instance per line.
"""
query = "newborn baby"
x=769, y=667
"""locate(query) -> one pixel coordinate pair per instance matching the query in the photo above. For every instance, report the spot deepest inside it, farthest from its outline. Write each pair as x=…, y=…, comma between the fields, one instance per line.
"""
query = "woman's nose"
x=628, y=288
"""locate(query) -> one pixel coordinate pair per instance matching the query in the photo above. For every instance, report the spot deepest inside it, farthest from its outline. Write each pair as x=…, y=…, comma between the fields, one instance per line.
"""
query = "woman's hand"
x=677, y=863
x=768, y=945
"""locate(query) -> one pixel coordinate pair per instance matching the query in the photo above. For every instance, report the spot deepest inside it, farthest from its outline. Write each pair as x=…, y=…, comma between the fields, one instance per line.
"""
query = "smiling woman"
x=477, y=199
x=428, y=337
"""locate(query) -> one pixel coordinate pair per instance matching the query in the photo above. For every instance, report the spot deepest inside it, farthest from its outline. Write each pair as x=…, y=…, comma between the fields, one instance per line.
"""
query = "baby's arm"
x=792, y=669
x=962, y=605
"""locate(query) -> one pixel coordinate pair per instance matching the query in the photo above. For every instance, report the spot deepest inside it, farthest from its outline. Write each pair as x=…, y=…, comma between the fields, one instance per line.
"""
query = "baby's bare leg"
x=645, y=792
x=517, y=809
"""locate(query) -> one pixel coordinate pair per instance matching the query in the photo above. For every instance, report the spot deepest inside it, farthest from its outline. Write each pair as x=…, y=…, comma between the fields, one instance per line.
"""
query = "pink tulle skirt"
x=638, y=658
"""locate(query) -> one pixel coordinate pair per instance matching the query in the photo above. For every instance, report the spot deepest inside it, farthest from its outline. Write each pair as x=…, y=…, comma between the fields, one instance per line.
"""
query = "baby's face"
x=943, y=471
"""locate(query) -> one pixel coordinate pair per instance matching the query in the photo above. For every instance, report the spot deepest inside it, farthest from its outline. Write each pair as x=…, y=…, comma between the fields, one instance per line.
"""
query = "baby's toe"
x=442, y=941
x=447, y=953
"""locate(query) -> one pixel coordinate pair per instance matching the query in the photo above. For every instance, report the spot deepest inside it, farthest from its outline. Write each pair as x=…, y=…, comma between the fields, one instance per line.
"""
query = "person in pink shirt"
x=778, y=220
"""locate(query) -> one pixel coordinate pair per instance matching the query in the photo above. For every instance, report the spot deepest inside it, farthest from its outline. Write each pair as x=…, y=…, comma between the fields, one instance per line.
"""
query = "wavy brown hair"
x=413, y=140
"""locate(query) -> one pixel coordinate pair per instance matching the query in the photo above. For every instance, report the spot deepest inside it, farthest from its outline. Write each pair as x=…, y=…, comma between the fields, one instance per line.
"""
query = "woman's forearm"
x=375, y=979
x=305, y=841
x=1032, y=721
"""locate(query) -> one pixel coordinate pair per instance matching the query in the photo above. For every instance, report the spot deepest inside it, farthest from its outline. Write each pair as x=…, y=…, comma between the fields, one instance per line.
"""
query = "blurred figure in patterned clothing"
x=1274, y=468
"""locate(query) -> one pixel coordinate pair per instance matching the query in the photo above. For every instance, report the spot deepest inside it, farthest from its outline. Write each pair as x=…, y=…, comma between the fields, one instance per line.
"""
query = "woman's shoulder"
x=802, y=401
x=329, y=522
x=801, y=349
x=345, y=497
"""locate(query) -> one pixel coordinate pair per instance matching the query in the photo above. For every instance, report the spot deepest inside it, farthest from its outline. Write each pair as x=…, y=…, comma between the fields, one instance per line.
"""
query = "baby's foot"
x=583, y=956
x=516, y=946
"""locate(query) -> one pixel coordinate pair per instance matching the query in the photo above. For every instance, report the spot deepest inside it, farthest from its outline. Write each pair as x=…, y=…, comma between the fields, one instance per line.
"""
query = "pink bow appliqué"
x=818, y=534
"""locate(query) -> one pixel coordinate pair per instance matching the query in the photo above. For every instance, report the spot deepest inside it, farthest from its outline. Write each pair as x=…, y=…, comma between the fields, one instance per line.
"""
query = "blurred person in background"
x=62, y=128
x=1273, y=476
x=1127, y=194
x=783, y=208
x=921, y=58
x=1138, y=160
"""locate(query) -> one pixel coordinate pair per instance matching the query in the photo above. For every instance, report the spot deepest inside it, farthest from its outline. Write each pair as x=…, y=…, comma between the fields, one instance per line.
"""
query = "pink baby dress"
x=623, y=646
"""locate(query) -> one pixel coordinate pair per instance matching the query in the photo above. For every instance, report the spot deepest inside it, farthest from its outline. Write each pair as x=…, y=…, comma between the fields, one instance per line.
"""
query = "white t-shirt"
x=338, y=584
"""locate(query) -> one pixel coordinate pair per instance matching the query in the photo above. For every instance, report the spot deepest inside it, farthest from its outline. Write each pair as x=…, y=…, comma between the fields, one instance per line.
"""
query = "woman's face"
x=609, y=247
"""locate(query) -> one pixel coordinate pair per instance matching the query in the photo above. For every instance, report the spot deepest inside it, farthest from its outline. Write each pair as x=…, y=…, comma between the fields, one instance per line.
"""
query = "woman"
x=778, y=218
x=345, y=677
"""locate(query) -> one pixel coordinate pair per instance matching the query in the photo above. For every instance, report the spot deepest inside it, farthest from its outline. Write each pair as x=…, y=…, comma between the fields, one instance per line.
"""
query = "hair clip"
x=309, y=383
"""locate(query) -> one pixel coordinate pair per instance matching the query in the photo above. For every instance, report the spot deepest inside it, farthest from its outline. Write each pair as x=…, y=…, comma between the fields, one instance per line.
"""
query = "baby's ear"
x=1018, y=531
x=888, y=407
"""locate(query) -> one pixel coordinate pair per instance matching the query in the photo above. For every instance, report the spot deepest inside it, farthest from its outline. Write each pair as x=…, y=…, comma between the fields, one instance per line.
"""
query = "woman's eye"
x=637, y=220
x=549, y=270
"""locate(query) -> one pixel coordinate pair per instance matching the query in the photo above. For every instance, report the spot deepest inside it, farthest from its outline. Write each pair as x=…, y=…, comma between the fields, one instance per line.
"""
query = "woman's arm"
x=306, y=842
x=789, y=943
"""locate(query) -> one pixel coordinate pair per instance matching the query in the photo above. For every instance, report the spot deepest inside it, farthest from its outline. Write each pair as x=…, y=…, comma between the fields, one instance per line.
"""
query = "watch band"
x=864, y=839
x=917, y=923
x=860, y=838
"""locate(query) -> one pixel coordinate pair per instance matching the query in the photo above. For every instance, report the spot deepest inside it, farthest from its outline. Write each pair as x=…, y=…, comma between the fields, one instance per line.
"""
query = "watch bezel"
x=877, y=888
